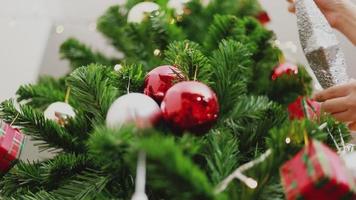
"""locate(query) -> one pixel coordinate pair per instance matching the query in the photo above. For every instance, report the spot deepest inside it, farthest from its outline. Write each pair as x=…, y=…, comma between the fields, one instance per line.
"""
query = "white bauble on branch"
x=350, y=162
x=177, y=5
x=140, y=11
x=59, y=112
x=135, y=108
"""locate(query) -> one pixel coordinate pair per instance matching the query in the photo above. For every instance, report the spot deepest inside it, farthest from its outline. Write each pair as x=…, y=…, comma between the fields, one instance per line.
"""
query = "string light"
x=157, y=52
x=173, y=21
x=251, y=183
x=117, y=67
x=59, y=29
x=288, y=140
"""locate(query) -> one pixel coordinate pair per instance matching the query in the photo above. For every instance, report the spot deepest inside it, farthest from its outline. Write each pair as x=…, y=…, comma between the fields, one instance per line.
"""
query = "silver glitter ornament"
x=320, y=45
x=135, y=108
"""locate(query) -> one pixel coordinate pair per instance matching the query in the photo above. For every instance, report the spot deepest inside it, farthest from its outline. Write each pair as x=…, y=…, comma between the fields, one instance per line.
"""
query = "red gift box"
x=11, y=143
x=316, y=173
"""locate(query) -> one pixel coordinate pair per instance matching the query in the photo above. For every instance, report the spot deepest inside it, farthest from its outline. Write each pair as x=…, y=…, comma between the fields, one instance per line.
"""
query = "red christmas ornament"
x=317, y=172
x=285, y=68
x=11, y=142
x=263, y=17
x=190, y=106
x=159, y=80
x=298, y=109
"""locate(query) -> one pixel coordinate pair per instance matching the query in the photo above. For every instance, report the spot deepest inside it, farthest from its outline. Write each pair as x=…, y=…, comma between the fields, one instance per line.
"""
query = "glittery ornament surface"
x=320, y=45
x=190, y=106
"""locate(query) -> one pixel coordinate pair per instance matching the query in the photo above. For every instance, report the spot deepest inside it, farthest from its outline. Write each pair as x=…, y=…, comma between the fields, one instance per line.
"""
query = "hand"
x=330, y=8
x=341, y=14
x=340, y=101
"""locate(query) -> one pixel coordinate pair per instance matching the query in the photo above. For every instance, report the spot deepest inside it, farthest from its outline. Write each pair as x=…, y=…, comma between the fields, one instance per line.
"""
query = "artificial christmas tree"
x=222, y=46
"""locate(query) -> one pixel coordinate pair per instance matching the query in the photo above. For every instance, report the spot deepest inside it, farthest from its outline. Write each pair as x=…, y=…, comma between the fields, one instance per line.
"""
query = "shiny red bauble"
x=304, y=107
x=190, y=106
x=263, y=17
x=285, y=68
x=159, y=80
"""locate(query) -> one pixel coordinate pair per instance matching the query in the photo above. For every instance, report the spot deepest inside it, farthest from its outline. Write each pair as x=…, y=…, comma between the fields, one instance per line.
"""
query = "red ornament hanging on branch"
x=11, y=143
x=284, y=69
x=190, y=106
x=303, y=108
x=316, y=173
x=160, y=79
x=263, y=17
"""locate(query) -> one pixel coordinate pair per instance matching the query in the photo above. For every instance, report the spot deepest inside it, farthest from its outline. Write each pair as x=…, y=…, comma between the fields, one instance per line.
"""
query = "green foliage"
x=169, y=168
x=47, y=133
x=231, y=69
x=92, y=90
x=222, y=154
x=113, y=143
x=87, y=185
x=130, y=78
x=111, y=25
x=188, y=57
x=39, y=176
x=222, y=28
x=80, y=55
x=45, y=92
x=287, y=88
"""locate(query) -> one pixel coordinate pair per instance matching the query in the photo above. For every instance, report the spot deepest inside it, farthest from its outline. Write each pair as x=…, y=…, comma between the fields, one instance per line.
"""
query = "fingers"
x=347, y=116
x=333, y=92
x=352, y=126
x=337, y=105
x=291, y=7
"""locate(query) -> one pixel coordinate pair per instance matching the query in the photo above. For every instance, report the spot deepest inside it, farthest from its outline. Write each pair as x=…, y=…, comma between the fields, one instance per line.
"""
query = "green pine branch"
x=86, y=185
x=169, y=168
x=222, y=154
x=231, y=70
x=188, y=57
x=80, y=55
x=91, y=88
x=112, y=25
x=48, y=90
x=46, y=133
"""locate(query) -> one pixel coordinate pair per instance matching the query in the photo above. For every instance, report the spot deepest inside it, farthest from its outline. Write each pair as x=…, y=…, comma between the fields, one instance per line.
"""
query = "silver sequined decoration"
x=320, y=45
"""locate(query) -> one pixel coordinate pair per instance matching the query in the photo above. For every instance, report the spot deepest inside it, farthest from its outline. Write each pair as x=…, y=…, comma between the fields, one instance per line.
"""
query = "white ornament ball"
x=140, y=11
x=177, y=5
x=135, y=108
x=350, y=162
x=59, y=112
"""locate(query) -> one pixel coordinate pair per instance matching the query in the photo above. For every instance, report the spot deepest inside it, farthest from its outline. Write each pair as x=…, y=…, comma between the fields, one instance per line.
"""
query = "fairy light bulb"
x=251, y=183
x=117, y=67
x=288, y=140
x=157, y=52
x=59, y=29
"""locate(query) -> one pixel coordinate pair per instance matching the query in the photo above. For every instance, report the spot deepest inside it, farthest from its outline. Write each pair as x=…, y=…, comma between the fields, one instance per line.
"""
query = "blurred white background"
x=31, y=32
